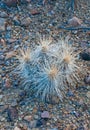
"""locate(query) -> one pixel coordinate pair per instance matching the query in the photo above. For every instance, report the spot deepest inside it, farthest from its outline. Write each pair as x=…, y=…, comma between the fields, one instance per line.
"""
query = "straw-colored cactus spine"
x=49, y=69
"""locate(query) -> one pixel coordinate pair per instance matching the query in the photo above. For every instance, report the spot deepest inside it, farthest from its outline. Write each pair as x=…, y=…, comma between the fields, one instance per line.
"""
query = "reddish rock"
x=7, y=83
x=35, y=12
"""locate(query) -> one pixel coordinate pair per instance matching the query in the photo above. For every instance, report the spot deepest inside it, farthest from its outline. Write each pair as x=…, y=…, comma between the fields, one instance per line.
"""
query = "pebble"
x=39, y=123
x=26, y=21
x=8, y=35
x=16, y=20
x=87, y=80
x=88, y=94
x=54, y=129
x=24, y=1
x=1, y=96
x=45, y=114
x=16, y=128
x=74, y=21
x=33, y=123
x=2, y=24
x=7, y=83
x=35, y=12
x=2, y=119
x=11, y=3
x=70, y=93
x=10, y=54
x=9, y=28
x=28, y=118
x=85, y=56
x=49, y=15
x=12, y=113
x=14, y=103
x=3, y=14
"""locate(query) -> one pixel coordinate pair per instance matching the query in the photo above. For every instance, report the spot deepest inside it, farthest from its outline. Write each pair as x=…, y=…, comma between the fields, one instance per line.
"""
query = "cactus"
x=69, y=63
x=49, y=69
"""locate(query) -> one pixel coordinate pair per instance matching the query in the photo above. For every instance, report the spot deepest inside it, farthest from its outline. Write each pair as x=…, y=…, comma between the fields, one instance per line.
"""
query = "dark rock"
x=80, y=128
x=82, y=88
x=39, y=123
x=8, y=35
x=84, y=107
x=12, y=113
x=4, y=6
x=21, y=96
x=11, y=3
x=17, y=23
x=24, y=1
x=87, y=80
x=85, y=56
x=16, y=20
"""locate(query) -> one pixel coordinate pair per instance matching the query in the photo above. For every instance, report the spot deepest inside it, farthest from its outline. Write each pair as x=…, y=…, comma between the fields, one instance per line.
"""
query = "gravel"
x=19, y=27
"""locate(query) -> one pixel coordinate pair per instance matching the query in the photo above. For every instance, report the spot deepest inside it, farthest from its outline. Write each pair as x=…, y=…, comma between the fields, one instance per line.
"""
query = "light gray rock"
x=2, y=24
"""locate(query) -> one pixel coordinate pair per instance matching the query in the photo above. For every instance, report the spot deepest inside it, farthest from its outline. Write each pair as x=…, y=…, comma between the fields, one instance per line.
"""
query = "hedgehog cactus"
x=69, y=63
x=49, y=69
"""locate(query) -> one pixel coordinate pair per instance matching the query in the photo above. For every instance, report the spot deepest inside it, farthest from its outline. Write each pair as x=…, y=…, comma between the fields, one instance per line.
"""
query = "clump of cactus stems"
x=50, y=69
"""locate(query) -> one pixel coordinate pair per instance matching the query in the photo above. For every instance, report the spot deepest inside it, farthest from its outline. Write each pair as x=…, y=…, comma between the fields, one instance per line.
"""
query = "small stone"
x=12, y=113
x=2, y=118
x=54, y=129
x=14, y=103
x=28, y=118
x=55, y=100
x=33, y=123
x=10, y=54
x=87, y=79
x=45, y=114
x=39, y=123
x=36, y=117
x=16, y=20
x=35, y=12
x=84, y=107
x=9, y=28
x=88, y=33
x=1, y=96
x=7, y=83
x=3, y=14
x=11, y=40
x=85, y=56
x=24, y=1
x=16, y=128
x=28, y=0
x=2, y=24
x=8, y=35
x=11, y=3
x=26, y=22
x=74, y=21
x=88, y=94
x=70, y=93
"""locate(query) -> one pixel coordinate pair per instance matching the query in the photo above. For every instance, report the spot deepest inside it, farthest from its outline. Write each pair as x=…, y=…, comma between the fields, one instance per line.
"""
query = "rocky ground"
x=20, y=23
